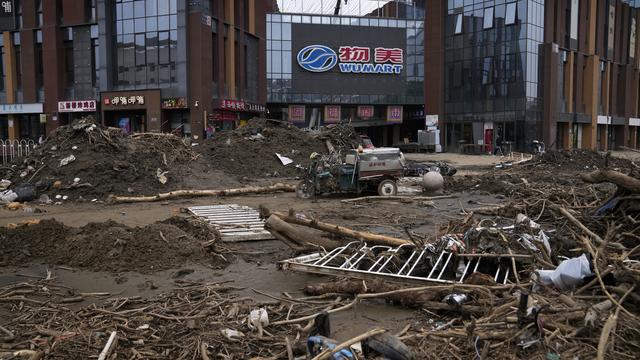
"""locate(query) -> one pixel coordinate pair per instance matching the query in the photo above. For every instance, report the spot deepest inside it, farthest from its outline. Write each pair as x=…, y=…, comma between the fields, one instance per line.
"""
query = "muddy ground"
x=147, y=250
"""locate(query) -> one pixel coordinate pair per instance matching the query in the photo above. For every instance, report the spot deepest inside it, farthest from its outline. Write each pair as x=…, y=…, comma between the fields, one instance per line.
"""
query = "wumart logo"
x=353, y=59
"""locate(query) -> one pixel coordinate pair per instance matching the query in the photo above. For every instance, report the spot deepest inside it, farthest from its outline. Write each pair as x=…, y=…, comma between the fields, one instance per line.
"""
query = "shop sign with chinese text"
x=352, y=59
x=77, y=106
x=394, y=114
x=331, y=114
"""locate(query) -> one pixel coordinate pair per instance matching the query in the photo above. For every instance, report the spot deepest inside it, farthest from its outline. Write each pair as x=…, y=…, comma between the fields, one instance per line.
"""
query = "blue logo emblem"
x=317, y=58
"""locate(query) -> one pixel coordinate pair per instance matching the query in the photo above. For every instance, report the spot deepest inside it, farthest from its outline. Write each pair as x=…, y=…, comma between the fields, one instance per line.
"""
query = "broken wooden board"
x=234, y=222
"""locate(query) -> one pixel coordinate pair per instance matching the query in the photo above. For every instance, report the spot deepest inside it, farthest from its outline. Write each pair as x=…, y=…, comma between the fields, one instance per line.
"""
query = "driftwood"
x=112, y=199
x=339, y=230
x=296, y=237
x=624, y=181
x=402, y=198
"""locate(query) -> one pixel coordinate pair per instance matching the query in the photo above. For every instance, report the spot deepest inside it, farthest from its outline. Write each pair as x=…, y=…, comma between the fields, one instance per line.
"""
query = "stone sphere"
x=432, y=181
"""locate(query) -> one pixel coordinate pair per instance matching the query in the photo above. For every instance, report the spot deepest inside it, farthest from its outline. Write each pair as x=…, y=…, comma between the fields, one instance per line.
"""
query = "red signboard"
x=331, y=114
x=365, y=112
x=296, y=113
x=394, y=114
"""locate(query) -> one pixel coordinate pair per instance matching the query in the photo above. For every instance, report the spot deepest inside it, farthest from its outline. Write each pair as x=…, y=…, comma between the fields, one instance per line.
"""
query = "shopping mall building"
x=565, y=72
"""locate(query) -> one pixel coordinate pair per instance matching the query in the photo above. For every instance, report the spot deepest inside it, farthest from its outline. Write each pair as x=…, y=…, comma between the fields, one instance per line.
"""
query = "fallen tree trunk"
x=113, y=199
x=624, y=181
x=339, y=230
x=296, y=238
x=405, y=198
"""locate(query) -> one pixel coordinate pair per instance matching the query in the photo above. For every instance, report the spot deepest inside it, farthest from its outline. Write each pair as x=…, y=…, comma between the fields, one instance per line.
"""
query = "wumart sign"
x=352, y=59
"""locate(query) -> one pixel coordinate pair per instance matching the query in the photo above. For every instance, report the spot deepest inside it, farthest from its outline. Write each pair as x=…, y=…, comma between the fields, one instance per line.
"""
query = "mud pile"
x=90, y=160
x=250, y=151
x=554, y=172
x=108, y=246
x=579, y=160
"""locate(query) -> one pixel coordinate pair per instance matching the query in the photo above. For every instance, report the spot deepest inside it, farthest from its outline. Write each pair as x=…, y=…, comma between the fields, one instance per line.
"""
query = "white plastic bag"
x=568, y=274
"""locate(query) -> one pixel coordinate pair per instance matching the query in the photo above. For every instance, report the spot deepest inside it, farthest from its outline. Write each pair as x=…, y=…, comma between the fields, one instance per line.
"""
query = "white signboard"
x=77, y=106
x=21, y=109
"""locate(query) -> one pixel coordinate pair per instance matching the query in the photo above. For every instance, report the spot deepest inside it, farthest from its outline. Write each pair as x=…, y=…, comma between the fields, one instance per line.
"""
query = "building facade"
x=364, y=66
x=564, y=72
x=142, y=65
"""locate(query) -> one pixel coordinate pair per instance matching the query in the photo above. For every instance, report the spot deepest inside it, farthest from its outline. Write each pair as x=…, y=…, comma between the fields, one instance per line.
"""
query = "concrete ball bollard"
x=432, y=181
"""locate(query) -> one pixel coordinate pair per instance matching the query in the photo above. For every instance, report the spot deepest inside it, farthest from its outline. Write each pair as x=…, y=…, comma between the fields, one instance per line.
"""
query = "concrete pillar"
x=568, y=80
x=229, y=51
x=14, y=127
x=252, y=16
x=9, y=60
x=590, y=91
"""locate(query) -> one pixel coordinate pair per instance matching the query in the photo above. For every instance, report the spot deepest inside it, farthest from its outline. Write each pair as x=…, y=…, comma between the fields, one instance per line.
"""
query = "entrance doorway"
x=129, y=121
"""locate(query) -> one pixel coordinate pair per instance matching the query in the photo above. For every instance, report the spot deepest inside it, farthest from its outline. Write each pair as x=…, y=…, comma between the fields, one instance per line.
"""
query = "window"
x=511, y=14
x=39, y=17
x=488, y=18
x=95, y=62
x=17, y=4
x=18, y=67
x=69, y=63
x=573, y=31
x=458, y=24
x=147, y=42
x=2, y=69
x=39, y=63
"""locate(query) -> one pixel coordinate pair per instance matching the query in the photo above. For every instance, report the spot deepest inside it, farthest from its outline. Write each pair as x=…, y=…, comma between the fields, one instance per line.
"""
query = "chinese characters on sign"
x=354, y=54
x=394, y=55
x=296, y=113
x=124, y=100
x=241, y=105
x=394, y=114
x=365, y=112
x=377, y=164
x=331, y=114
x=351, y=59
x=7, y=16
x=174, y=103
x=77, y=106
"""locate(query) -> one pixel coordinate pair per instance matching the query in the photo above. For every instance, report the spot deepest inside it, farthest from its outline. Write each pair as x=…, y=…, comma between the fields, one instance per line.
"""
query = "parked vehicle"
x=370, y=170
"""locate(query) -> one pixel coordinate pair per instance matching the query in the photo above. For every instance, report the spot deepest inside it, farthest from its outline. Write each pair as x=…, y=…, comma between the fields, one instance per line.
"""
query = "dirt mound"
x=553, y=173
x=250, y=151
x=579, y=160
x=107, y=246
x=93, y=161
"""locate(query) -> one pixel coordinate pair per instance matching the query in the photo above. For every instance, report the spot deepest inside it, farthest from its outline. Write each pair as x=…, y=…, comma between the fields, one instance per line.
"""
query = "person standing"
x=498, y=145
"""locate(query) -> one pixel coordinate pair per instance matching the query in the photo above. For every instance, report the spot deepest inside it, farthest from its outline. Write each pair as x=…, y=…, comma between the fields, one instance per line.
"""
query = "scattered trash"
x=258, y=318
x=4, y=184
x=455, y=299
x=568, y=274
x=44, y=199
x=231, y=334
x=284, y=160
x=67, y=160
x=162, y=176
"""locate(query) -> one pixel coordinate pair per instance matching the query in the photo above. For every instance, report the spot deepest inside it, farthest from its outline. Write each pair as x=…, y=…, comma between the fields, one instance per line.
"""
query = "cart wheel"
x=387, y=188
x=304, y=189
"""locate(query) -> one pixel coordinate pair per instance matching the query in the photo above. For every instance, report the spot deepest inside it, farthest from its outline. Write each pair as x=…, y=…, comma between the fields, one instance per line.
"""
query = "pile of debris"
x=550, y=175
x=253, y=150
x=559, y=283
x=109, y=246
x=85, y=160
x=340, y=137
